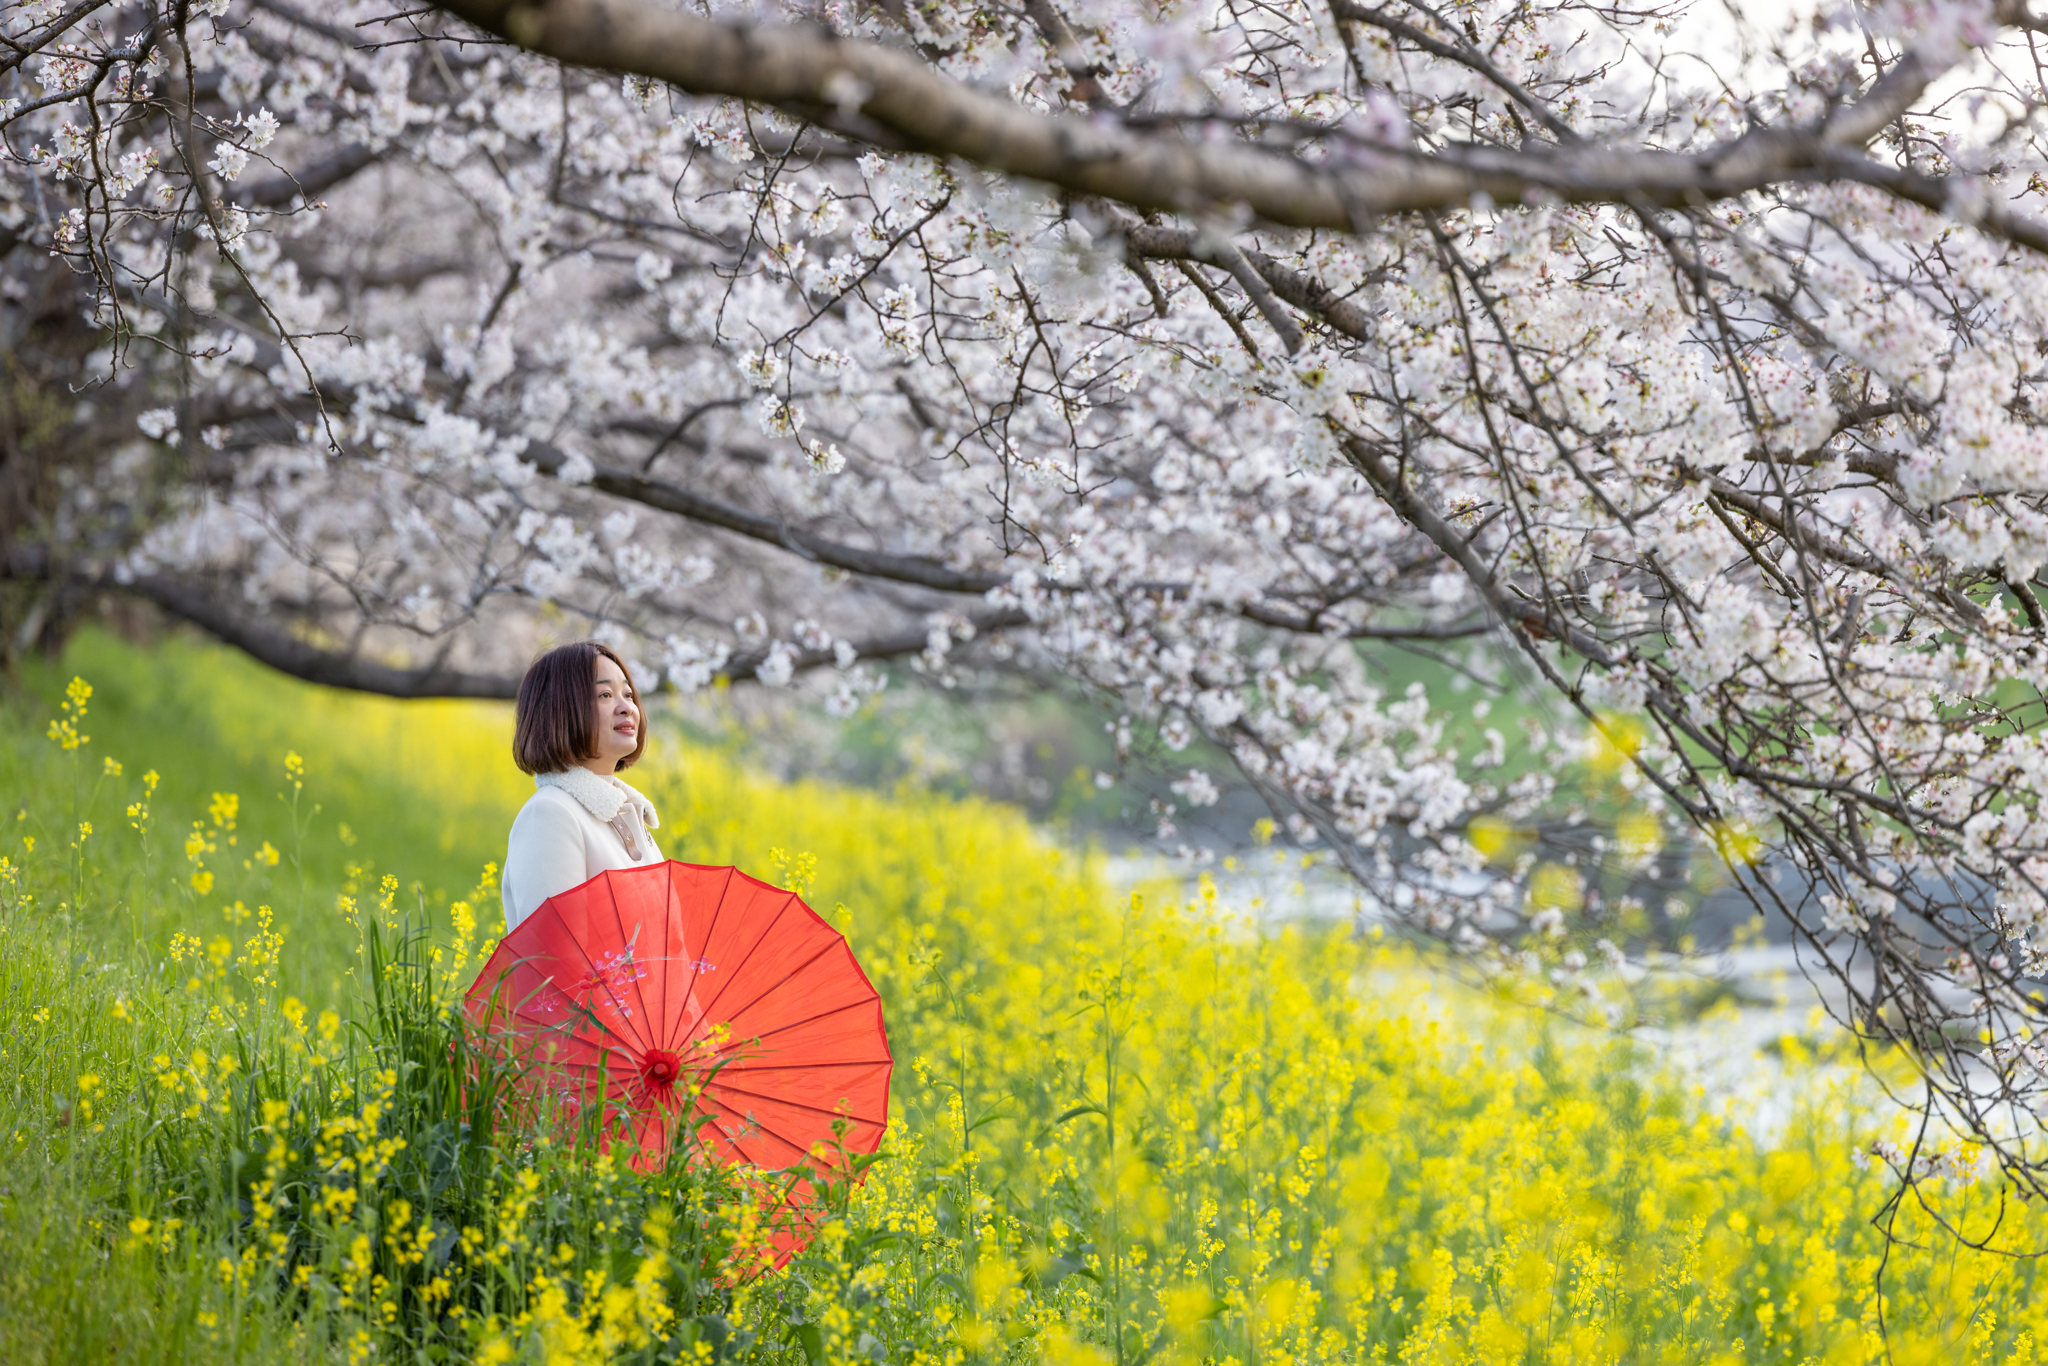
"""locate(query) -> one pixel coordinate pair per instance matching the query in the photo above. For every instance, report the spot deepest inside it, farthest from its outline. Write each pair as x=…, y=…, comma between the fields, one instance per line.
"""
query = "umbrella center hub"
x=660, y=1068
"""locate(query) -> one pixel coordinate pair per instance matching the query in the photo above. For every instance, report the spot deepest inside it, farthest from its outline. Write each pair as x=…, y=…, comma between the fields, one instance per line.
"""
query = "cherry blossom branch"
x=233, y=625
x=1459, y=51
x=29, y=44
x=668, y=497
x=889, y=645
x=921, y=571
x=894, y=99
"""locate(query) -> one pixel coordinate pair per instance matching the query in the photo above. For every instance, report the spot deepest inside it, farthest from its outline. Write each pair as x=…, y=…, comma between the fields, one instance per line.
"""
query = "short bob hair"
x=553, y=730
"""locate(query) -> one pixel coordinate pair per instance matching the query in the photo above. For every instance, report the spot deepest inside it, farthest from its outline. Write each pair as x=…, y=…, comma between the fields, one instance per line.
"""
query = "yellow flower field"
x=1125, y=1130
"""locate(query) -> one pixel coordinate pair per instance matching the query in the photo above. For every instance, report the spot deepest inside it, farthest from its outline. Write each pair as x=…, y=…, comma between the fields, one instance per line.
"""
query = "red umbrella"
x=642, y=983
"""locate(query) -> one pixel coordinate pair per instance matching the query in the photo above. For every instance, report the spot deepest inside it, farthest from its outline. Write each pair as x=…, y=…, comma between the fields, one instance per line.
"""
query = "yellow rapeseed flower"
x=64, y=729
x=1554, y=886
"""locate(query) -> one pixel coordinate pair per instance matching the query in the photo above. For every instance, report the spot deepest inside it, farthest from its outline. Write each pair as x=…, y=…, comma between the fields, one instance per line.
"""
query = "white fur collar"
x=601, y=795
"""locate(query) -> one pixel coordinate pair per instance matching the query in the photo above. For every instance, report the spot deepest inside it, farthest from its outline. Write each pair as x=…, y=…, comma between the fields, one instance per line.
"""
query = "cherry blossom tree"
x=1178, y=350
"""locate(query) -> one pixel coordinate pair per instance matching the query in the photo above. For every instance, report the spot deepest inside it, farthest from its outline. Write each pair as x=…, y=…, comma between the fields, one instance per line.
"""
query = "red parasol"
x=627, y=989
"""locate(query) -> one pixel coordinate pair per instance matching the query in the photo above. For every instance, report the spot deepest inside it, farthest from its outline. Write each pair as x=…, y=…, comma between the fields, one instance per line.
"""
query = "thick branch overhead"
x=879, y=94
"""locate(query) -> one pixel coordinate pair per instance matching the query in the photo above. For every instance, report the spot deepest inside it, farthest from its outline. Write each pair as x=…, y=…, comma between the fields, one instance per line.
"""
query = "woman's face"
x=617, y=720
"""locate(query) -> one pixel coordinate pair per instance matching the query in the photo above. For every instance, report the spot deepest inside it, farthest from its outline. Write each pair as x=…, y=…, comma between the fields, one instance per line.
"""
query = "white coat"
x=576, y=825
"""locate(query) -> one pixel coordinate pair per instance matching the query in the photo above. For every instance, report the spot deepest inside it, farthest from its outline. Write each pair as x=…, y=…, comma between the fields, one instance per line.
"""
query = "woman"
x=578, y=725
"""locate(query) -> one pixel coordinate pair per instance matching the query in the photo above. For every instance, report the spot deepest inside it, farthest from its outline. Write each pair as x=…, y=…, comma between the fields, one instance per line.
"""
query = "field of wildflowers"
x=238, y=1123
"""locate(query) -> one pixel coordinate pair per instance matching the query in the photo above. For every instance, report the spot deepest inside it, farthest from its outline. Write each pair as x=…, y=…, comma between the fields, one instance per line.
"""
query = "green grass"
x=416, y=792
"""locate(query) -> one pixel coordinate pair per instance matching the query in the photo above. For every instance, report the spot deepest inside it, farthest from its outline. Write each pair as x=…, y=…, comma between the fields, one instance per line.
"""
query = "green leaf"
x=879, y=1241
x=996, y=1113
x=860, y=1162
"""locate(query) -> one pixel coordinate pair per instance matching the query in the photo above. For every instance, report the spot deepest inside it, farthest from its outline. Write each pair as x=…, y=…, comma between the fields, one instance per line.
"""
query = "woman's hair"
x=553, y=729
